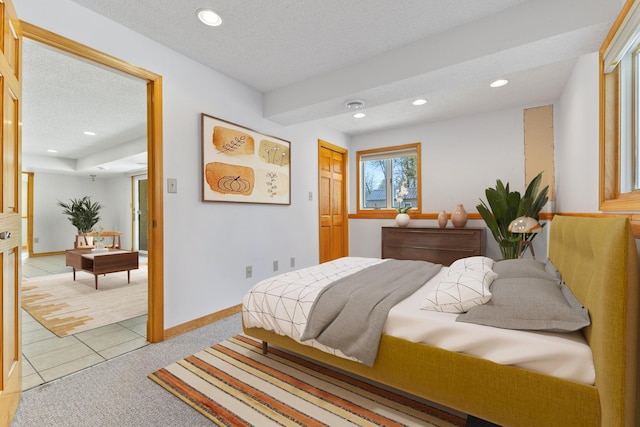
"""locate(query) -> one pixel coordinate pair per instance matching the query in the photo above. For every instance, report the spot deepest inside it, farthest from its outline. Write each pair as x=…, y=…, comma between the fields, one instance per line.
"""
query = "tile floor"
x=47, y=357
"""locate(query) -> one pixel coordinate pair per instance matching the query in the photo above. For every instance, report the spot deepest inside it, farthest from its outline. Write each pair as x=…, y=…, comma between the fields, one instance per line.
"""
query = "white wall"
x=480, y=149
x=460, y=159
x=576, y=124
x=52, y=230
x=207, y=245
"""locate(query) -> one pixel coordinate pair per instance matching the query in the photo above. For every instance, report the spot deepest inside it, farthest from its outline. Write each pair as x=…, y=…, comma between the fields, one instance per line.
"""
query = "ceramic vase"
x=442, y=219
x=402, y=219
x=459, y=216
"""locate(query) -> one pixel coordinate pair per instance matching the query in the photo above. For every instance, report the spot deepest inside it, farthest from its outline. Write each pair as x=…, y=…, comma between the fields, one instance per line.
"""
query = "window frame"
x=613, y=114
x=387, y=212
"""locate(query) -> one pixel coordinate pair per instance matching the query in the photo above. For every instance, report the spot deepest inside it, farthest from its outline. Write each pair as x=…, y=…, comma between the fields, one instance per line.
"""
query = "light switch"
x=172, y=185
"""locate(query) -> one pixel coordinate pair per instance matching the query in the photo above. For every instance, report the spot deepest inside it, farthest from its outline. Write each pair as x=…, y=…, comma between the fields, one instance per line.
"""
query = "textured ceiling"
x=308, y=57
x=63, y=97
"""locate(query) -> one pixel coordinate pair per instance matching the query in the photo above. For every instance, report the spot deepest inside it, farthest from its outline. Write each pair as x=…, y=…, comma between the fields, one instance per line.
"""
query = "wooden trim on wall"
x=155, y=322
x=202, y=321
x=609, y=196
x=545, y=216
x=382, y=213
x=391, y=214
x=46, y=254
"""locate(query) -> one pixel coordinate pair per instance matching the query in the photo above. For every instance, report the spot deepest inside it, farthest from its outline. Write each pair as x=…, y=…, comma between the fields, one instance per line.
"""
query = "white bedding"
x=281, y=304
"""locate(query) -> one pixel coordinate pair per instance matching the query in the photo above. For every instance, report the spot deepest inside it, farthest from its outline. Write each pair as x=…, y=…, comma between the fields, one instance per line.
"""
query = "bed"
x=598, y=261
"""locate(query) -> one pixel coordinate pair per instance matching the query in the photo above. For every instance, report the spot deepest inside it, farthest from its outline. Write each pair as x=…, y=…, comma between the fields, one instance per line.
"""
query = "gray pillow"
x=552, y=270
x=521, y=268
x=529, y=304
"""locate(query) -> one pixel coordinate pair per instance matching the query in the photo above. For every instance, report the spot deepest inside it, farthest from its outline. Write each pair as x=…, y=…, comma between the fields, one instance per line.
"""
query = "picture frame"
x=242, y=165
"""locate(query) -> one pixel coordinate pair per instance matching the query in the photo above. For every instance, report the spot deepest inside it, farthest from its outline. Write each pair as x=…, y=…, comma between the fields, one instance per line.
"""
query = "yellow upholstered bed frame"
x=598, y=260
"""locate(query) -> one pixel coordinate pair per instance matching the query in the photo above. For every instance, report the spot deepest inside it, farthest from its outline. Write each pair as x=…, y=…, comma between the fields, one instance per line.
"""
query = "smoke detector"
x=355, y=104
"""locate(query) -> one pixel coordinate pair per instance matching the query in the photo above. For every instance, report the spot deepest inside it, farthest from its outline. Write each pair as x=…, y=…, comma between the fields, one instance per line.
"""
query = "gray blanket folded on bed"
x=350, y=313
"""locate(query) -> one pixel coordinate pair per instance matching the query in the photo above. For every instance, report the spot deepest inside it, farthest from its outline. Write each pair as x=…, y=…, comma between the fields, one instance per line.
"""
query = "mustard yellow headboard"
x=598, y=260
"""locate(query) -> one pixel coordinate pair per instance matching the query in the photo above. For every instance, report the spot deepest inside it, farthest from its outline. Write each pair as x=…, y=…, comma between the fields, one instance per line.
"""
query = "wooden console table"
x=433, y=244
x=109, y=261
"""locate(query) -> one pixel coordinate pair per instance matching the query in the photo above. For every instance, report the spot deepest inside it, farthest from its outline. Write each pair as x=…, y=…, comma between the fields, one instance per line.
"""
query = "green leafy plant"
x=83, y=213
x=504, y=205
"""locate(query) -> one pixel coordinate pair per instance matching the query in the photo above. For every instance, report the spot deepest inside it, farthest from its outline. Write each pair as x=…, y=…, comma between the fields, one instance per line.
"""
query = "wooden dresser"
x=434, y=244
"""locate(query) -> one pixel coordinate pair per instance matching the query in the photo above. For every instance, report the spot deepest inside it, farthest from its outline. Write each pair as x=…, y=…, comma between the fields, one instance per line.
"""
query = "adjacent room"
x=84, y=164
x=266, y=170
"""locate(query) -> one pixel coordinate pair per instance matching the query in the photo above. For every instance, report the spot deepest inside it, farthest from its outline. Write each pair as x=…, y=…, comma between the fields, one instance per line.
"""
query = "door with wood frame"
x=332, y=203
x=10, y=215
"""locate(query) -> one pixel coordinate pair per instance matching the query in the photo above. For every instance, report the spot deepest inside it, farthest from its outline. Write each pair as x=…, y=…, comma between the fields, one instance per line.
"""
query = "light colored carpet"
x=66, y=307
x=233, y=383
x=118, y=393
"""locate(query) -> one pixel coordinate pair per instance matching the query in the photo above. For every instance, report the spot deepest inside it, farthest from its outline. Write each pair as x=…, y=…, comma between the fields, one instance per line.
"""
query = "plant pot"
x=402, y=219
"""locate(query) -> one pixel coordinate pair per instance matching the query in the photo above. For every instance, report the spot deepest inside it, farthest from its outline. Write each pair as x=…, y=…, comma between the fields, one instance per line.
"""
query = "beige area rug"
x=66, y=307
x=234, y=384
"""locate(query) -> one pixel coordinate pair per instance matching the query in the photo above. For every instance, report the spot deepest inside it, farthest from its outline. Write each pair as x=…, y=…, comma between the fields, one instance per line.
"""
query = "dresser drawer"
x=434, y=244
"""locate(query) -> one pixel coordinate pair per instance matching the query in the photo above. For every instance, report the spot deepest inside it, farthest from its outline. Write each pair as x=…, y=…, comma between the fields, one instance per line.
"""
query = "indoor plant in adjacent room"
x=503, y=206
x=82, y=213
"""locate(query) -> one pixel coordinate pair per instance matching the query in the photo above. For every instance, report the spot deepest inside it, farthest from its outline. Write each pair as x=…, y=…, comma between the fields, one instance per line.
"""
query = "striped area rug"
x=234, y=384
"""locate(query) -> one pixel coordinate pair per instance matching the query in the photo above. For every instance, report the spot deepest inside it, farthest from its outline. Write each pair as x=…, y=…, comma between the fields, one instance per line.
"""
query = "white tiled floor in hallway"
x=47, y=357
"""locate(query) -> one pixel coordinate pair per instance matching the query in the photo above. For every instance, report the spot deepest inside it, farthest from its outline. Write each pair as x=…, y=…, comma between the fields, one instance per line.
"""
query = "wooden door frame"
x=345, y=211
x=155, y=323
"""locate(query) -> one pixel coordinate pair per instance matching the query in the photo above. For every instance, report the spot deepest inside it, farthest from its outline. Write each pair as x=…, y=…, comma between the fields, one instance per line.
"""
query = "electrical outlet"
x=293, y=262
x=310, y=195
x=249, y=271
x=275, y=265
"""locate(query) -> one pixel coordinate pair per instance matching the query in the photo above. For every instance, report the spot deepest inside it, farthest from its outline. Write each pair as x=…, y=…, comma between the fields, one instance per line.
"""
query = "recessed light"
x=499, y=83
x=89, y=133
x=209, y=17
x=52, y=151
x=359, y=115
x=420, y=101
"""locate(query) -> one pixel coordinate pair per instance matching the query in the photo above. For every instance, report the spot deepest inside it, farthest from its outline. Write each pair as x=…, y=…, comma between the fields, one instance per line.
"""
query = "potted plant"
x=83, y=213
x=503, y=206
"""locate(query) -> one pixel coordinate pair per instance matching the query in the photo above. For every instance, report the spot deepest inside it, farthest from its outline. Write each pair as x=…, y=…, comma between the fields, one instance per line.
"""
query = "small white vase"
x=402, y=219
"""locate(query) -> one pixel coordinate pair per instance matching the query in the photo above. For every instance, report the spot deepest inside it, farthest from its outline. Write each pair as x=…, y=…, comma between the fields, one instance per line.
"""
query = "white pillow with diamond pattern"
x=458, y=291
x=478, y=263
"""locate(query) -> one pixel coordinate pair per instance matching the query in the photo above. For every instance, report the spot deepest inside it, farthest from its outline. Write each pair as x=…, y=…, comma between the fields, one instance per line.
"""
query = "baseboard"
x=32, y=254
x=202, y=321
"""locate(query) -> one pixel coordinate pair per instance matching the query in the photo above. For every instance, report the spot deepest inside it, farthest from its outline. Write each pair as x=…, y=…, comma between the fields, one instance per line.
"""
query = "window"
x=620, y=113
x=389, y=178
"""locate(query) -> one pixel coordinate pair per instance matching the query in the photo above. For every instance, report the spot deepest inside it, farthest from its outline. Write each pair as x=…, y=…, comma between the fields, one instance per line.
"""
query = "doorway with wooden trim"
x=155, y=324
x=332, y=201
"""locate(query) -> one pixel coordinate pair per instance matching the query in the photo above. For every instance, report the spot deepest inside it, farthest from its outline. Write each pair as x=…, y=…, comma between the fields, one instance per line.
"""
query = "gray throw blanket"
x=350, y=313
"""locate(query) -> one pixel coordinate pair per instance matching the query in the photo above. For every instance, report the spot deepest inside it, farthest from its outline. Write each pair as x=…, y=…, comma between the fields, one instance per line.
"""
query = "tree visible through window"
x=389, y=178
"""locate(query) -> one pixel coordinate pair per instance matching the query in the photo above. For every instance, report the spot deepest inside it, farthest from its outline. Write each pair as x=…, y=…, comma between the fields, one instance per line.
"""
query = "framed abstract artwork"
x=242, y=165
